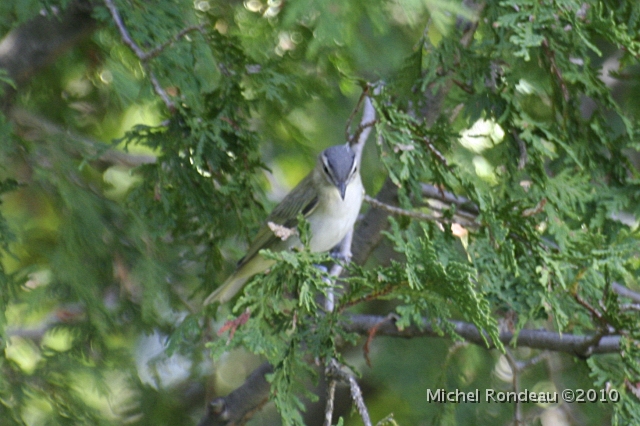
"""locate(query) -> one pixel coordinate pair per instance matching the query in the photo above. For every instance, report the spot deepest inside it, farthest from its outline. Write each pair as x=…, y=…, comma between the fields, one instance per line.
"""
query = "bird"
x=329, y=197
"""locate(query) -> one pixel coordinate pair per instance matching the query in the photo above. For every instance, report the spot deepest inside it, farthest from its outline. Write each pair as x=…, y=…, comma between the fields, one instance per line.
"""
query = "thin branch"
x=579, y=345
x=353, y=114
x=361, y=127
x=594, y=312
x=460, y=202
x=240, y=404
x=331, y=394
x=34, y=128
x=152, y=53
x=397, y=211
x=124, y=33
x=367, y=121
x=334, y=370
x=161, y=92
x=139, y=52
x=145, y=56
x=435, y=152
x=625, y=292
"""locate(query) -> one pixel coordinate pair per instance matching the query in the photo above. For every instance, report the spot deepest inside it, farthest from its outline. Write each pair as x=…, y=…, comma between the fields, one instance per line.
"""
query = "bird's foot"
x=340, y=256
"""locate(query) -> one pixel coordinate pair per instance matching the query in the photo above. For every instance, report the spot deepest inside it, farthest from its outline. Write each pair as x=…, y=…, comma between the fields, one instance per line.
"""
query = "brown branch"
x=594, y=312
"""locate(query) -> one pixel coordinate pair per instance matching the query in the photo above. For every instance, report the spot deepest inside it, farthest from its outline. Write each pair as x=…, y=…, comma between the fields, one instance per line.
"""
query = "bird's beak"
x=342, y=187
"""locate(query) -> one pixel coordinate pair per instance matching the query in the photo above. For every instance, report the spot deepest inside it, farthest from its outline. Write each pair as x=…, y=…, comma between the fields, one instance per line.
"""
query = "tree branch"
x=34, y=128
x=625, y=292
x=449, y=198
x=578, y=345
x=368, y=233
x=334, y=370
x=236, y=407
x=146, y=56
x=231, y=409
x=397, y=211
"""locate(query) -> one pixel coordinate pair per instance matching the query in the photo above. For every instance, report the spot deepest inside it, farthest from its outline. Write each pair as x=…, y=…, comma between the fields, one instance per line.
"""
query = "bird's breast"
x=334, y=217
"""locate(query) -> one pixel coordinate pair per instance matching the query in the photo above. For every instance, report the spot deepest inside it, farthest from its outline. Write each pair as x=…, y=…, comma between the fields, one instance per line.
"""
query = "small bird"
x=329, y=197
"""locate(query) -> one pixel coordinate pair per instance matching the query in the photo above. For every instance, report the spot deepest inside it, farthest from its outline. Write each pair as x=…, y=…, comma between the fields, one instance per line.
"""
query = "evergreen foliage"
x=525, y=108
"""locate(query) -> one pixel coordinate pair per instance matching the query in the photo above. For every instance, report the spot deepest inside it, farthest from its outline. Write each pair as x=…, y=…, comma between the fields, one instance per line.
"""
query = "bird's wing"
x=284, y=214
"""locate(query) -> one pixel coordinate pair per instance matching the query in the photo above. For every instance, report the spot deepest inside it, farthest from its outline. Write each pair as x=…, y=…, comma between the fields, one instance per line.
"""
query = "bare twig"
x=397, y=211
x=460, y=202
x=145, y=56
x=347, y=136
x=361, y=127
x=331, y=394
x=160, y=91
x=594, y=312
x=336, y=371
x=372, y=334
x=435, y=152
x=152, y=53
x=124, y=33
x=367, y=121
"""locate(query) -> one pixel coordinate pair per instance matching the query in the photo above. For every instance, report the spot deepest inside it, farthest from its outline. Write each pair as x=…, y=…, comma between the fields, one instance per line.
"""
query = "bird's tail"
x=227, y=290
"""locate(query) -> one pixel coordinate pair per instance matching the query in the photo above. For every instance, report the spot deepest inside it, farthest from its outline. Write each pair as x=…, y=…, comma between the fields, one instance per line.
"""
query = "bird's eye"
x=326, y=169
